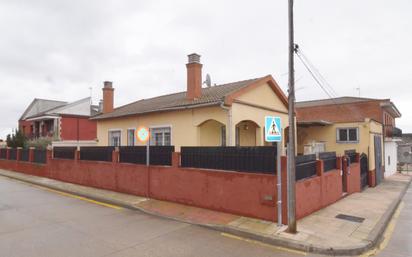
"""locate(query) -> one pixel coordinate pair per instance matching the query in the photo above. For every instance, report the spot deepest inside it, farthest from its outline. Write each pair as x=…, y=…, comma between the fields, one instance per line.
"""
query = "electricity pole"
x=291, y=150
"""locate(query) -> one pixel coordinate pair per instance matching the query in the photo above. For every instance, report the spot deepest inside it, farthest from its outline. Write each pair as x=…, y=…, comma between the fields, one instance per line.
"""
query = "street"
x=36, y=221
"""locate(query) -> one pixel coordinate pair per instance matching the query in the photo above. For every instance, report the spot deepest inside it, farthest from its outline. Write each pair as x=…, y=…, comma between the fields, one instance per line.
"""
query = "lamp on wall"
x=245, y=127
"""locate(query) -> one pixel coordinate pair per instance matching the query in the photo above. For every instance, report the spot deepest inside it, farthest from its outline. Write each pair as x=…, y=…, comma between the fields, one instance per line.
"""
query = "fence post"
x=320, y=167
x=8, y=153
x=357, y=157
x=76, y=155
x=115, y=155
x=176, y=159
x=31, y=154
x=49, y=155
x=339, y=163
x=18, y=153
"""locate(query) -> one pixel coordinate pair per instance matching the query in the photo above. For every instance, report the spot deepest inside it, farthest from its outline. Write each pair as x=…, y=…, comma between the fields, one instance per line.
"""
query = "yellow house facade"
x=231, y=114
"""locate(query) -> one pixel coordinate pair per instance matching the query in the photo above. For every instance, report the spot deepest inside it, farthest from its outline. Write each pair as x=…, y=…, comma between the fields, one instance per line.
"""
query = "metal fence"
x=351, y=154
x=245, y=159
x=13, y=154
x=96, y=153
x=329, y=160
x=305, y=166
x=64, y=153
x=159, y=155
x=40, y=156
x=3, y=153
x=24, y=156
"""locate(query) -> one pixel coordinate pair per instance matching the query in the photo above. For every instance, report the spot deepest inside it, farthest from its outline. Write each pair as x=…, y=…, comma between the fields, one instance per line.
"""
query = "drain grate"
x=350, y=218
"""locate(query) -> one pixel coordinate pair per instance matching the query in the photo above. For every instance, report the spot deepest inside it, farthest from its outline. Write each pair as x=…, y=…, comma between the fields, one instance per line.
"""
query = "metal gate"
x=364, y=170
x=378, y=159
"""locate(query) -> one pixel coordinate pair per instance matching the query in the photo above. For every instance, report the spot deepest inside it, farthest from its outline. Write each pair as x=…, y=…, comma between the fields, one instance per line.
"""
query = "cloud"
x=58, y=49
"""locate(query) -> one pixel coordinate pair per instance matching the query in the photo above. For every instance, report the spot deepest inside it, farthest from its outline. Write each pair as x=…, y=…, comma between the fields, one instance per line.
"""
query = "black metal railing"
x=159, y=155
x=3, y=153
x=96, y=153
x=305, y=166
x=351, y=154
x=64, y=153
x=244, y=159
x=329, y=160
x=40, y=156
x=24, y=155
x=364, y=170
x=13, y=154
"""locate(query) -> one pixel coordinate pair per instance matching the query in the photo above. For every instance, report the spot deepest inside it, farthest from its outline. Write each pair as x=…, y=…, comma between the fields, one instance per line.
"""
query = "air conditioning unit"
x=314, y=148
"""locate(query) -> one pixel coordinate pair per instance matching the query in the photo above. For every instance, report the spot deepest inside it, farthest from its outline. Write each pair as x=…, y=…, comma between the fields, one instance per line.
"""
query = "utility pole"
x=291, y=150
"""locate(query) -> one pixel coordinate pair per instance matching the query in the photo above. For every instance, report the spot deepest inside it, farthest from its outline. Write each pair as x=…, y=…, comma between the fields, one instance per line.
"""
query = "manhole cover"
x=350, y=218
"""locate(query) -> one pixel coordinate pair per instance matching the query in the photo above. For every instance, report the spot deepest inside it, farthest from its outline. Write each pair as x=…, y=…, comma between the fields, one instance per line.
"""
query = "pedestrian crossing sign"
x=273, y=129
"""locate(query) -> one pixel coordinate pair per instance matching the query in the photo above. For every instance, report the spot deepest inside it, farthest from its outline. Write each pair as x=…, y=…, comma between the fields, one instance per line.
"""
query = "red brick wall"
x=246, y=194
x=25, y=127
x=342, y=112
x=77, y=128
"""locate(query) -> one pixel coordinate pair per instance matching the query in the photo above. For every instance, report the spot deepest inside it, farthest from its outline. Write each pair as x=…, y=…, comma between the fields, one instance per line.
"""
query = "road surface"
x=36, y=221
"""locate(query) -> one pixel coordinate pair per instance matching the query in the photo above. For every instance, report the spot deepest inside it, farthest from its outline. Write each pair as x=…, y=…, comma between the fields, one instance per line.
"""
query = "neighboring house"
x=221, y=115
x=3, y=143
x=65, y=123
x=339, y=124
x=405, y=152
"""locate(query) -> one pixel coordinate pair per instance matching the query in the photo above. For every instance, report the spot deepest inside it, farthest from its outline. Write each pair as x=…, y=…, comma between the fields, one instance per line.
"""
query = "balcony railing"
x=391, y=131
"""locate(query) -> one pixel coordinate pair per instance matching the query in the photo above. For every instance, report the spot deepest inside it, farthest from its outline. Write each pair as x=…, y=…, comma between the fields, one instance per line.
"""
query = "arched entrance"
x=247, y=133
x=212, y=133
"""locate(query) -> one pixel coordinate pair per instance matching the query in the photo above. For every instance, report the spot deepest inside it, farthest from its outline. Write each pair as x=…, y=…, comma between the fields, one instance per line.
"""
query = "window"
x=160, y=136
x=347, y=135
x=130, y=137
x=115, y=137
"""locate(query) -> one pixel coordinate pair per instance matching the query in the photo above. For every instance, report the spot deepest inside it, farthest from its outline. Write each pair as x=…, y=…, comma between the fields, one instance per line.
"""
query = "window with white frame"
x=131, y=137
x=160, y=136
x=115, y=137
x=347, y=135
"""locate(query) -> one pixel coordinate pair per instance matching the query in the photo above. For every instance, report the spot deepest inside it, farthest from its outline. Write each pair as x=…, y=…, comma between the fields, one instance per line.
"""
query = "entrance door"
x=378, y=159
x=364, y=170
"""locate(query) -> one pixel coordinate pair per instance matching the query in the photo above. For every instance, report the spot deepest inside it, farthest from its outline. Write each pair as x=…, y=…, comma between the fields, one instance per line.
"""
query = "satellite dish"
x=208, y=81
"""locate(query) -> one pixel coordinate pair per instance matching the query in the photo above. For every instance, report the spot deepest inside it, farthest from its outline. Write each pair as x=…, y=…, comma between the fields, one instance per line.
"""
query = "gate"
x=364, y=170
x=378, y=159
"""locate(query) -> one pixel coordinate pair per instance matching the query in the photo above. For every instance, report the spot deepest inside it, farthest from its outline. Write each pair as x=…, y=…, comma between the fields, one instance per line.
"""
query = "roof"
x=38, y=106
x=80, y=107
x=214, y=95
x=344, y=109
x=338, y=100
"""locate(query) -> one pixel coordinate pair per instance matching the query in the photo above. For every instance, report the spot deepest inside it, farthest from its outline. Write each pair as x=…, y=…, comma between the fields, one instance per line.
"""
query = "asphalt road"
x=40, y=222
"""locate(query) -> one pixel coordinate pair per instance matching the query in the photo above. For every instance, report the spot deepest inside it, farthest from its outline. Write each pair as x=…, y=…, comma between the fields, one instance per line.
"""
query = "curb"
x=374, y=236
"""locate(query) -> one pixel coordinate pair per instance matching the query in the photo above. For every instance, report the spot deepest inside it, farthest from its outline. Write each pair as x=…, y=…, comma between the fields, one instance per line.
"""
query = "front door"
x=378, y=159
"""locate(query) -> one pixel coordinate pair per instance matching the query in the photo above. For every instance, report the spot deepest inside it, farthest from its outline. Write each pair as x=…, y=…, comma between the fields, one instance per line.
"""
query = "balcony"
x=392, y=132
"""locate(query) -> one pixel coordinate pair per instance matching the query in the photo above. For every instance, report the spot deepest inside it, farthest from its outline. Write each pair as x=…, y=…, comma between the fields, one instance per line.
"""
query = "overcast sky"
x=58, y=49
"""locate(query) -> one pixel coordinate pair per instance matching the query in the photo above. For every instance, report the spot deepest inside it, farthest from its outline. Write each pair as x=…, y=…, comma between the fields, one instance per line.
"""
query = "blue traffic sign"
x=273, y=129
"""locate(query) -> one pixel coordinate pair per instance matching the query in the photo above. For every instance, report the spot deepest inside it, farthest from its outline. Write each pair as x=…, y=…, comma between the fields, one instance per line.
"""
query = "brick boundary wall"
x=246, y=194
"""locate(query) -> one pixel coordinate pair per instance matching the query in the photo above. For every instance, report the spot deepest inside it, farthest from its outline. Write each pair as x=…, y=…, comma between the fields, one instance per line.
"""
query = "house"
x=64, y=123
x=346, y=123
x=230, y=114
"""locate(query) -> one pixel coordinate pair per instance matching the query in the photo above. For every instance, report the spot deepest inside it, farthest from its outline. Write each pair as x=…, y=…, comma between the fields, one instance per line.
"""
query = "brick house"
x=65, y=123
x=363, y=124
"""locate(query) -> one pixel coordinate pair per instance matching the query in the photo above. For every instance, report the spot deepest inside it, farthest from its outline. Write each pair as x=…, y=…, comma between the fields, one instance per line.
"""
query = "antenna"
x=208, y=81
x=358, y=89
x=91, y=94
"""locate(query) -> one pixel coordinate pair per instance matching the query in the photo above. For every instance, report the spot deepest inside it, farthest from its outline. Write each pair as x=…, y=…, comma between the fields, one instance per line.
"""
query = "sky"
x=60, y=49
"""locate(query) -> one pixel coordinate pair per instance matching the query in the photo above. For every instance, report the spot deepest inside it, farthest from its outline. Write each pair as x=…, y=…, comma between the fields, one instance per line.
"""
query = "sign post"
x=143, y=135
x=273, y=133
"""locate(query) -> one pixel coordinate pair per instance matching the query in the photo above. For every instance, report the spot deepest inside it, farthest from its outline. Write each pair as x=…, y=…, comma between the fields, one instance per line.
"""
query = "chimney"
x=194, y=77
x=108, y=92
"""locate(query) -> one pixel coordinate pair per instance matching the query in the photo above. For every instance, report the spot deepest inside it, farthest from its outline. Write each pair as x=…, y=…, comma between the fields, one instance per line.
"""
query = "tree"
x=16, y=139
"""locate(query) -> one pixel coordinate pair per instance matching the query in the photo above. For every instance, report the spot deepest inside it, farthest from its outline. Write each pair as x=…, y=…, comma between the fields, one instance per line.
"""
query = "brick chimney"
x=194, y=77
x=108, y=92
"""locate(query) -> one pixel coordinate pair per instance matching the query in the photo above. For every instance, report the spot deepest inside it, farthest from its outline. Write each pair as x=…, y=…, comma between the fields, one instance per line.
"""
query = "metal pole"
x=148, y=153
x=279, y=184
x=291, y=150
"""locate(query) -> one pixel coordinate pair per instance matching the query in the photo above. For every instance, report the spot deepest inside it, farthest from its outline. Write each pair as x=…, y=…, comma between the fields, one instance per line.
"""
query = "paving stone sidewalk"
x=320, y=232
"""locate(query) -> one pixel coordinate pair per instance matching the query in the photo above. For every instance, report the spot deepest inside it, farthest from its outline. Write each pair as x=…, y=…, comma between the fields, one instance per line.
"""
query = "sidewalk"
x=320, y=232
